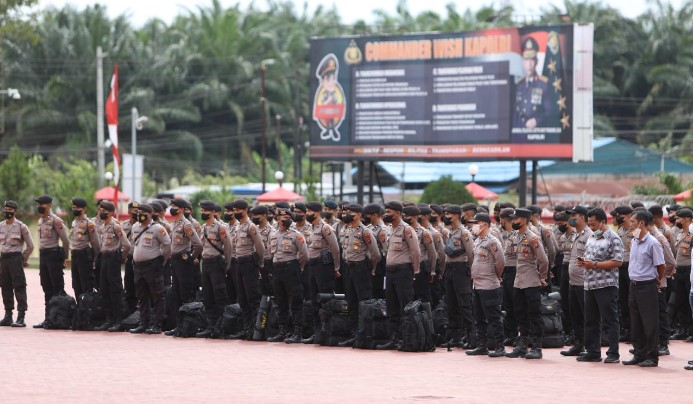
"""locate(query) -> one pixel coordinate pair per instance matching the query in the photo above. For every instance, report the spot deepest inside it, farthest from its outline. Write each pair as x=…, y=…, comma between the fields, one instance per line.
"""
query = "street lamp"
x=138, y=122
x=473, y=170
x=108, y=176
x=279, y=176
x=12, y=93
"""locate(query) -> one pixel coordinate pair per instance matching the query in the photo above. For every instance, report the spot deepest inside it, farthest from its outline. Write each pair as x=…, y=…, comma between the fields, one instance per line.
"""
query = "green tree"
x=15, y=176
x=446, y=190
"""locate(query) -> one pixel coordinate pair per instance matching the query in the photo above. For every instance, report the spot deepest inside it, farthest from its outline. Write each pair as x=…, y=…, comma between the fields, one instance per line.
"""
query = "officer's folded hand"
x=260, y=276
x=543, y=283
x=337, y=274
x=431, y=277
x=65, y=264
x=373, y=272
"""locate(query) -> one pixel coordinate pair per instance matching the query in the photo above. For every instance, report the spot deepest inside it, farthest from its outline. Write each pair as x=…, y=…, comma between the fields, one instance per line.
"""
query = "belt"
x=10, y=255
x=506, y=269
x=352, y=264
x=247, y=258
x=393, y=268
x=149, y=261
x=212, y=259
x=184, y=255
x=51, y=250
x=108, y=253
x=285, y=264
x=640, y=283
x=314, y=261
x=81, y=251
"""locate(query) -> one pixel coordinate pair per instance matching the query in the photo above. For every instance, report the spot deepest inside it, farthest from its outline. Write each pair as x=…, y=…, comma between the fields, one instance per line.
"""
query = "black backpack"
x=132, y=321
x=90, y=311
x=417, y=329
x=191, y=320
x=440, y=319
x=336, y=326
x=60, y=312
x=373, y=324
x=231, y=322
x=553, y=330
x=266, y=321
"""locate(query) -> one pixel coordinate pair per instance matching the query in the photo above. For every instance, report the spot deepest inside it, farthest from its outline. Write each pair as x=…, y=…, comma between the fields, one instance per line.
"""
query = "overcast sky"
x=141, y=11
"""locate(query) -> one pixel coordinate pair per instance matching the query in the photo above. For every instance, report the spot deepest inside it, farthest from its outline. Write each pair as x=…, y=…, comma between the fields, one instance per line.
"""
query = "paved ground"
x=76, y=367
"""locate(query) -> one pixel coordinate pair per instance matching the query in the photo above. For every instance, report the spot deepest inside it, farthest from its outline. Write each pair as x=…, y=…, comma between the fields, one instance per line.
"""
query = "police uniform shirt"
x=359, y=243
x=565, y=242
x=305, y=230
x=530, y=255
x=51, y=232
x=13, y=237
x=426, y=247
x=113, y=238
x=627, y=237
x=265, y=236
x=154, y=242
x=511, y=248
x=445, y=232
x=462, y=238
x=231, y=235
x=670, y=263
x=196, y=226
x=684, y=248
x=440, y=249
x=669, y=236
x=83, y=235
x=342, y=233
x=381, y=233
x=217, y=236
x=549, y=242
x=332, y=222
x=287, y=245
x=488, y=265
x=164, y=224
x=403, y=247
x=578, y=244
x=323, y=238
x=248, y=240
x=496, y=233
x=183, y=236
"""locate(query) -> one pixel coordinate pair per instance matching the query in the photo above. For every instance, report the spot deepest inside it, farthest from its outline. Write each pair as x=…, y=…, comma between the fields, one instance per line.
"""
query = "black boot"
x=40, y=325
x=171, y=333
x=536, y=350
x=294, y=338
x=155, y=329
x=392, y=344
x=139, y=329
x=574, y=350
x=480, y=350
x=346, y=343
x=498, y=352
x=455, y=338
x=116, y=328
x=20, y=320
x=280, y=336
x=520, y=350
x=105, y=326
x=206, y=333
x=238, y=335
x=309, y=340
x=7, y=321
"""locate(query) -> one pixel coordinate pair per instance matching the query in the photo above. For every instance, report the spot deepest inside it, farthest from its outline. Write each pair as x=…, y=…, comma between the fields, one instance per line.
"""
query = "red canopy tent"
x=683, y=196
x=108, y=193
x=280, y=194
x=481, y=193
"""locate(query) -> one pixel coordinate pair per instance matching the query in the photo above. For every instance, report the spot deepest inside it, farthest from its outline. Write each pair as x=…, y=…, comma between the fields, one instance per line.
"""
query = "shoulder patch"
x=162, y=231
x=58, y=224
x=427, y=237
x=90, y=226
x=494, y=247
x=252, y=229
x=117, y=229
x=535, y=242
x=188, y=229
x=367, y=237
x=382, y=237
x=408, y=232
x=300, y=238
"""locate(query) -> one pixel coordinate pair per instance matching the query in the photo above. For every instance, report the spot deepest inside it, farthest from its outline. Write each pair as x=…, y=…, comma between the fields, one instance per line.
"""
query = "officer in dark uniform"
x=14, y=235
x=84, y=244
x=532, y=97
x=186, y=247
x=53, y=257
x=129, y=276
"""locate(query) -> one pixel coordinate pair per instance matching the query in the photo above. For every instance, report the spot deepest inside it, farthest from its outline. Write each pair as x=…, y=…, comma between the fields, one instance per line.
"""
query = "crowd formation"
x=629, y=284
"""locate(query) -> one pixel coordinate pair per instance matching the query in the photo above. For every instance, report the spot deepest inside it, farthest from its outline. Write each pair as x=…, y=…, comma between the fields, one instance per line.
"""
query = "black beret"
x=108, y=205
x=410, y=211
x=342, y=203
x=284, y=211
x=11, y=204
x=559, y=208
x=424, y=209
x=188, y=204
x=217, y=207
x=436, y=208
x=482, y=209
x=229, y=205
x=506, y=212
x=260, y=210
x=301, y=206
x=79, y=202
x=353, y=207
x=330, y=204
x=206, y=205
x=157, y=206
x=561, y=217
x=133, y=204
x=623, y=210
x=314, y=206
x=372, y=208
x=536, y=210
x=481, y=217
x=684, y=212
x=455, y=209
x=240, y=204
x=395, y=205
x=637, y=204
x=283, y=205
x=469, y=206
x=181, y=203
x=520, y=212
x=44, y=199
x=578, y=209
x=673, y=208
x=145, y=207
x=656, y=210
x=505, y=205
x=497, y=207
x=407, y=203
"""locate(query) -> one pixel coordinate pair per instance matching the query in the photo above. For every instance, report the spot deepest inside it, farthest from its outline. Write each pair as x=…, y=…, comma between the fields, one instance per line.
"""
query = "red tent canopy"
x=684, y=195
x=280, y=194
x=108, y=192
x=480, y=193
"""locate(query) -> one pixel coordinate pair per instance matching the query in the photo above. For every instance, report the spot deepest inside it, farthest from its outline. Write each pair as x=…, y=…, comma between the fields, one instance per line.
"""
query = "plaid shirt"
x=608, y=247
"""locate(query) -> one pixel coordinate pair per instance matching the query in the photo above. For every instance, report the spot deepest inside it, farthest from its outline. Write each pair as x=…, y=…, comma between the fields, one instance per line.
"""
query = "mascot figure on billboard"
x=329, y=102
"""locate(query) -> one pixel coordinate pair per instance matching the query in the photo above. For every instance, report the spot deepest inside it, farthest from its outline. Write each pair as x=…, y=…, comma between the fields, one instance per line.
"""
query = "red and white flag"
x=112, y=120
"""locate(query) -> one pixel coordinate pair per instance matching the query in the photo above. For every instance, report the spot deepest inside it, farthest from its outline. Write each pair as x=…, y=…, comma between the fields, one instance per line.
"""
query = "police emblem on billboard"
x=353, y=53
x=329, y=100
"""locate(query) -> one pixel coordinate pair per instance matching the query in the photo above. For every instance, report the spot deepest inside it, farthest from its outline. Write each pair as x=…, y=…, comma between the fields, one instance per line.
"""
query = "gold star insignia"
x=564, y=121
x=557, y=85
x=562, y=103
x=552, y=66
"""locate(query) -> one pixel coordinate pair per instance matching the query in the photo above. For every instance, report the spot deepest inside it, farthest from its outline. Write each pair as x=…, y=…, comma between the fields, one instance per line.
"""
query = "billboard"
x=506, y=94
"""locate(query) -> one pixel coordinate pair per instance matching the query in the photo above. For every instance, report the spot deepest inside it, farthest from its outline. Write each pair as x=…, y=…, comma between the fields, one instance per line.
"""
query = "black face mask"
x=497, y=218
x=287, y=223
x=432, y=219
x=238, y=216
x=9, y=215
x=103, y=215
x=620, y=219
x=366, y=220
x=141, y=217
x=270, y=219
x=447, y=220
x=76, y=212
x=134, y=216
x=174, y=212
x=678, y=224
x=672, y=219
x=348, y=218
x=204, y=216
x=186, y=215
x=327, y=215
x=300, y=218
x=515, y=226
x=226, y=217
x=41, y=209
x=563, y=228
x=155, y=217
x=310, y=218
x=255, y=220
x=408, y=220
x=341, y=217
x=388, y=219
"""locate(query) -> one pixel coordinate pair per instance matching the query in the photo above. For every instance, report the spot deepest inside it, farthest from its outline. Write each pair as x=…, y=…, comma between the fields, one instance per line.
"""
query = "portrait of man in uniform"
x=329, y=100
x=532, y=102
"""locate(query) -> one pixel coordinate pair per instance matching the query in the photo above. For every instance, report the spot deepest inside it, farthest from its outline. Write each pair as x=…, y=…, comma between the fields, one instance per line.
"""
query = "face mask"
x=103, y=215
x=133, y=216
x=256, y=221
x=388, y=218
x=270, y=219
x=327, y=215
x=341, y=217
x=408, y=220
x=563, y=228
x=678, y=224
x=174, y=212
x=155, y=217
x=572, y=222
x=310, y=218
x=497, y=218
x=366, y=220
x=9, y=215
x=515, y=226
x=348, y=218
x=186, y=215
x=476, y=229
x=300, y=218
x=597, y=233
x=447, y=220
x=287, y=223
x=41, y=209
x=620, y=219
x=205, y=216
x=238, y=216
x=672, y=219
x=432, y=219
x=226, y=217
x=76, y=212
x=141, y=217
x=636, y=233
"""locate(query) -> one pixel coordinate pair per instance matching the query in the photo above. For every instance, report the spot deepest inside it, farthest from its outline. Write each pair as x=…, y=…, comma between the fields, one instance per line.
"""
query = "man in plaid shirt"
x=603, y=256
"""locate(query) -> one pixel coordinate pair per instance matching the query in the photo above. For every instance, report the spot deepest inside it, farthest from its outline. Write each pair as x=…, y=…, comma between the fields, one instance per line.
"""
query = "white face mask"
x=636, y=233
x=476, y=229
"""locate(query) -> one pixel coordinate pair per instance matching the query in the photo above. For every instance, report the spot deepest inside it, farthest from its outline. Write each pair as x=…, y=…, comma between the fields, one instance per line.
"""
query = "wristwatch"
x=595, y=264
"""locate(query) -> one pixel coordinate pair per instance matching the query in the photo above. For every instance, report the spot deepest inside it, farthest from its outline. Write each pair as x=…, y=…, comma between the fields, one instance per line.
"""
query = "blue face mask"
x=572, y=222
x=597, y=233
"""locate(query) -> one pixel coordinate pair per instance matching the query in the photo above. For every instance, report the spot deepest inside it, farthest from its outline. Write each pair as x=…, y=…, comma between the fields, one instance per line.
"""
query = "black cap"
x=283, y=205
x=178, y=202
x=207, y=205
x=469, y=206
x=260, y=210
x=481, y=217
x=506, y=212
x=684, y=212
x=188, y=204
x=146, y=207
x=623, y=210
x=79, y=202
x=108, y=205
x=410, y=211
x=372, y=208
x=561, y=217
x=330, y=204
x=300, y=206
x=342, y=204
x=314, y=206
x=559, y=208
x=483, y=209
x=578, y=209
x=436, y=208
x=455, y=209
x=43, y=199
x=521, y=212
x=240, y=204
x=395, y=205
x=424, y=209
x=673, y=208
x=284, y=211
x=11, y=204
x=229, y=205
x=353, y=207
x=536, y=210
x=133, y=204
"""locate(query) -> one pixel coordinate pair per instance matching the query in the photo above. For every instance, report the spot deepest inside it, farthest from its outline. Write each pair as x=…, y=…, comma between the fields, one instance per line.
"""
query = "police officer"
x=52, y=257
x=402, y=264
x=159, y=207
x=469, y=211
x=682, y=284
x=549, y=242
x=427, y=266
x=231, y=225
x=532, y=97
x=14, y=235
x=186, y=247
x=459, y=250
x=151, y=250
x=510, y=243
x=531, y=274
x=129, y=276
x=330, y=213
x=84, y=244
x=264, y=229
x=564, y=242
x=621, y=216
x=670, y=266
x=97, y=260
x=372, y=218
x=361, y=255
x=486, y=271
x=216, y=252
x=435, y=218
x=437, y=273
x=305, y=229
x=249, y=249
x=115, y=248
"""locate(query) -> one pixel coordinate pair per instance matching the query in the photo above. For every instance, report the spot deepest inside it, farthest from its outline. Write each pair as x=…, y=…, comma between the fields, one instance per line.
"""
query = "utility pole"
x=100, y=158
x=278, y=118
x=262, y=123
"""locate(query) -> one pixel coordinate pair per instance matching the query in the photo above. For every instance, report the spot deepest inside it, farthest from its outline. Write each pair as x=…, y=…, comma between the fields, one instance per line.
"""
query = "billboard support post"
x=360, y=182
x=533, y=184
x=522, y=184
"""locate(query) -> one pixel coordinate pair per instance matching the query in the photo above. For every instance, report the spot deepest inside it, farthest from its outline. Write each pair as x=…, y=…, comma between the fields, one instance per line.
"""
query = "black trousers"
x=683, y=310
x=167, y=272
x=13, y=282
x=286, y=282
x=266, y=278
x=230, y=279
x=97, y=271
x=399, y=292
x=150, y=289
x=306, y=285
x=129, y=285
x=643, y=304
x=488, y=322
x=214, y=288
x=422, y=287
x=322, y=278
x=248, y=290
x=459, y=296
x=379, y=292
x=664, y=330
x=82, y=271
x=111, y=286
x=51, y=272
x=510, y=322
x=183, y=283
x=624, y=306
x=564, y=292
x=526, y=303
x=358, y=288
x=576, y=301
x=601, y=307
